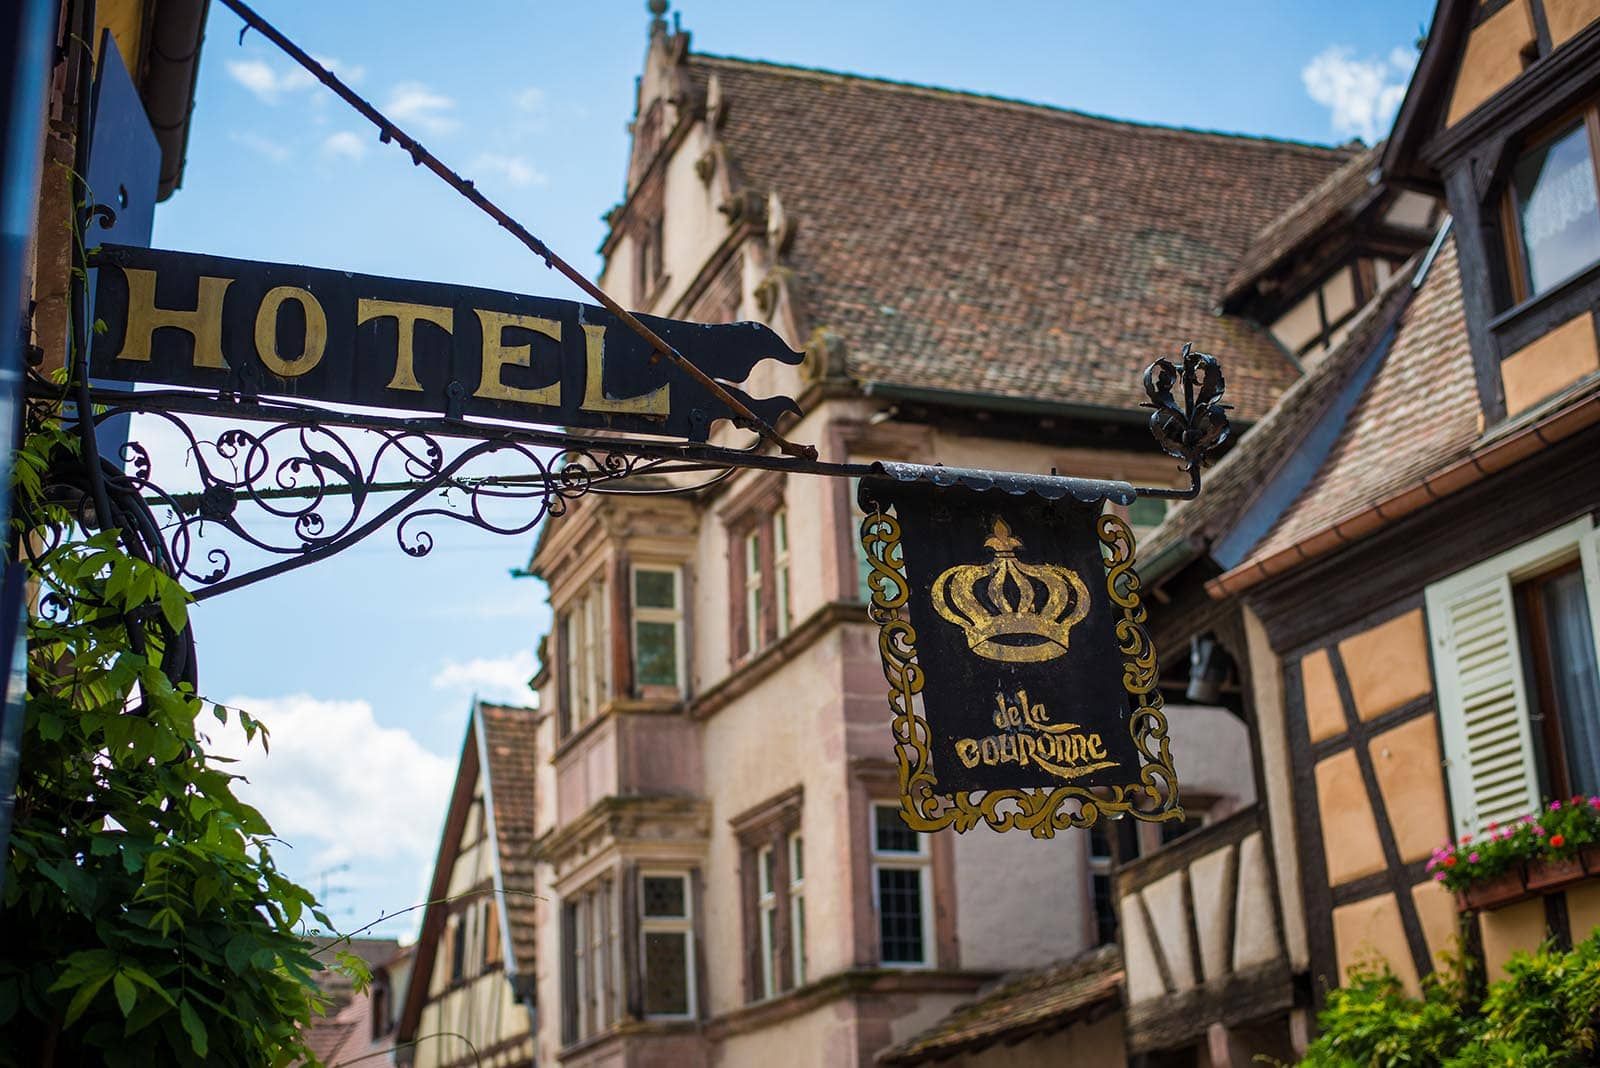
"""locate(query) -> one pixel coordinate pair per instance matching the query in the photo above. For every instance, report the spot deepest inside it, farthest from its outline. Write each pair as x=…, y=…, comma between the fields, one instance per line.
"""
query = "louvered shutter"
x=1483, y=703
x=1477, y=659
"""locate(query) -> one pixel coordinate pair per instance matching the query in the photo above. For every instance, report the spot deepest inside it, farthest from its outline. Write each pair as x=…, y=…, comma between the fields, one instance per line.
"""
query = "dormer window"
x=1552, y=211
x=1317, y=321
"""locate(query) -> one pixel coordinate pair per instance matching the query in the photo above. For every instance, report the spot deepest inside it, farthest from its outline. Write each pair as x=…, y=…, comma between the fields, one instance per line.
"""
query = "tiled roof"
x=1018, y=1006
x=961, y=242
x=1234, y=483
x=1419, y=413
x=1337, y=195
x=510, y=736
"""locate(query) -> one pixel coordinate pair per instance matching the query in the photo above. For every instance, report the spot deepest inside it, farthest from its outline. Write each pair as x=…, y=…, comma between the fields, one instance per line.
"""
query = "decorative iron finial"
x=658, y=11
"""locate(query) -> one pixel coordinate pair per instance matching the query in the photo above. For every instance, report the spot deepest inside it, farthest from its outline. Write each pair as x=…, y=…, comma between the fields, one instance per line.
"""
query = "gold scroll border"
x=1039, y=810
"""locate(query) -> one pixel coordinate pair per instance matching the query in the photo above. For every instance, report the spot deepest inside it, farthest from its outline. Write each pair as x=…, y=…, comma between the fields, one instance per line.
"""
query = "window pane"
x=656, y=653
x=666, y=972
x=766, y=871
x=664, y=896
x=797, y=858
x=1573, y=668
x=900, y=915
x=891, y=833
x=1556, y=209
x=797, y=924
x=655, y=589
x=780, y=530
x=1105, y=912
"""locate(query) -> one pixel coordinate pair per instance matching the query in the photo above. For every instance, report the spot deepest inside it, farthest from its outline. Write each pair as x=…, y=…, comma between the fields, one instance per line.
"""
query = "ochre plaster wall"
x=1550, y=364
x=1492, y=59
x=1370, y=929
x=1505, y=931
x=1387, y=665
x=1406, y=760
x=1324, y=712
x=1349, y=831
x=1566, y=17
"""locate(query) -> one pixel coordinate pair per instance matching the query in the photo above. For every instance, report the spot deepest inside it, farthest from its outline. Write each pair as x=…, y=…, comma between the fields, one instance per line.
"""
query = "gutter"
x=171, y=69
x=1471, y=469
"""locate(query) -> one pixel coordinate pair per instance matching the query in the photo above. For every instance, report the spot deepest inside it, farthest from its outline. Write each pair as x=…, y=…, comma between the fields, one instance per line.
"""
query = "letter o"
x=991, y=751
x=267, y=332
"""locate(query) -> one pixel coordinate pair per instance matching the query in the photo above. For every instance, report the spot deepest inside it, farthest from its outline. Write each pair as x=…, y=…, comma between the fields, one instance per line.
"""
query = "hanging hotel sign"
x=1022, y=681
x=301, y=333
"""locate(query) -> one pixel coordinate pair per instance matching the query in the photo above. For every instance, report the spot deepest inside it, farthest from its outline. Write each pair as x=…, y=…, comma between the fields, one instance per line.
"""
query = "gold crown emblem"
x=1011, y=610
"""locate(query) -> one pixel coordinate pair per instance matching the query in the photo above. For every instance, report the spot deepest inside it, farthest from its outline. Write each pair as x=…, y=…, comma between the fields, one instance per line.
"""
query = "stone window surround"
x=767, y=825
x=750, y=512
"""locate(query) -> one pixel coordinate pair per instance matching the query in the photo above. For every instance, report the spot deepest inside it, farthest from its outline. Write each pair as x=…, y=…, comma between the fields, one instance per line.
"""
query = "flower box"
x=1590, y=855
x=1550, y=872
x=1507, y=886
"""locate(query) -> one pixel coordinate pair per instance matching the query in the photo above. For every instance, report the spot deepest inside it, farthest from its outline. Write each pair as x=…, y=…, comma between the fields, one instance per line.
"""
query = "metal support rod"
x=389, y=131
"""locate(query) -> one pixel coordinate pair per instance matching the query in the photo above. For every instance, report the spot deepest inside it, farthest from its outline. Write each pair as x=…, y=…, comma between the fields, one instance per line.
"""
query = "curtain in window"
x=1577, y=679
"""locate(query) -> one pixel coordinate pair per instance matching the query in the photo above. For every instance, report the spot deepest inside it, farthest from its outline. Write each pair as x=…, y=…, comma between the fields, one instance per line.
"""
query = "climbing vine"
x=144, y=920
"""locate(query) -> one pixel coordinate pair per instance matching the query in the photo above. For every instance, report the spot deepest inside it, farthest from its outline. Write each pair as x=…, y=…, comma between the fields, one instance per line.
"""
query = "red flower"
x=1557, y=841
x=1450, y=862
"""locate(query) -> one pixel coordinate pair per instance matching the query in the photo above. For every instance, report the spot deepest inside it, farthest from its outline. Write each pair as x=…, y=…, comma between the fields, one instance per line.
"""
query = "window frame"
x=767, y=919
x=1538, y=557
x=583, y=628
x=920, y=862
x=683, y=925
x=755, y=614
x=782, y=607
x=795, y=843
x=649, y=614
x=1512, y=247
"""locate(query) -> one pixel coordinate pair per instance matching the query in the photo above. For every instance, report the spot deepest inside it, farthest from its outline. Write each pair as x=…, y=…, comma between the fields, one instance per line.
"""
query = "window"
x=1564, y=696
x=1516, y=666
x=585, y=628
x=771, y=859
x=657, y=628
x=761, y=575
x=589, y=962
x=797, y=907
x=666, y=946
x=900, y=889
x=780, y=567
x=754, y=617
x=1552, y=213
x=1100, y=884
x=767, y=905
x=647, y=275
x=458, y=947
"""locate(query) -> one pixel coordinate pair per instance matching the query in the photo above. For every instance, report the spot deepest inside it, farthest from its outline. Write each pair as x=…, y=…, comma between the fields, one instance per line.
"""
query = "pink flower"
x=1432, y=864
x=1538, y=831
x=1473, y=859
x=1493, y=826
x=1466, y=838
x=1555, y=806
x=1527, y=819
x=1594, y=802
x=1438, y=876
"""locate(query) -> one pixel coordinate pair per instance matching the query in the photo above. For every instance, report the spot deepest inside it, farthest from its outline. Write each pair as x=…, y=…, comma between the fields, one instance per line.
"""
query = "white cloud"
x=530, y=99
x=344, y=145
x=270, y=81
x=415, y=103
x=260, y=145
x=516, y=170
x=336, y=784
x=491, y=678
x=1361, y=95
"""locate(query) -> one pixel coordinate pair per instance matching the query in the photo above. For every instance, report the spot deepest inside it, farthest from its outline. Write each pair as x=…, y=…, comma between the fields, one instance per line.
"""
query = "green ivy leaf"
x=193, y=1027
x=123, y=987
x=174, y=603
x=80, y=1001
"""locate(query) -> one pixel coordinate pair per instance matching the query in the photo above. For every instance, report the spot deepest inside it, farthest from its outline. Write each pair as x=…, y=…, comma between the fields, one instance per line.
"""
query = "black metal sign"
x=1016, y=619
x=265, y=329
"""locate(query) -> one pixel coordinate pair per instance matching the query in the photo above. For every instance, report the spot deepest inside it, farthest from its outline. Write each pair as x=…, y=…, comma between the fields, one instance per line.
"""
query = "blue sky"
x=363, y=665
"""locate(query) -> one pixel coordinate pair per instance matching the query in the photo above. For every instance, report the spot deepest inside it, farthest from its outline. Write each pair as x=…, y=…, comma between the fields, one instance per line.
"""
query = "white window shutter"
x=1483, y=701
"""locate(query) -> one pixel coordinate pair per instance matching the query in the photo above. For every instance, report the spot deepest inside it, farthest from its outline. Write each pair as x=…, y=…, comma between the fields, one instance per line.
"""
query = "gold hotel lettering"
x=204, y=323
x=406, y=316
x=496, y=354
x=656, y=402
x=267, y=332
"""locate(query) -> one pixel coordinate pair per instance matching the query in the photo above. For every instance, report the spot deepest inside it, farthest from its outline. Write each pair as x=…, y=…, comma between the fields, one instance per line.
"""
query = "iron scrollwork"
x=302, y=488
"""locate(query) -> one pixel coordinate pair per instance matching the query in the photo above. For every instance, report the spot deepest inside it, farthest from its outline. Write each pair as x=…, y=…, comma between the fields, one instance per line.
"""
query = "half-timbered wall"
x=467, y=991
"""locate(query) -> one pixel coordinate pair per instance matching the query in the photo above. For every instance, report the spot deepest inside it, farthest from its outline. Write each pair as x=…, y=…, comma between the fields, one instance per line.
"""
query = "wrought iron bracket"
x=296, y=483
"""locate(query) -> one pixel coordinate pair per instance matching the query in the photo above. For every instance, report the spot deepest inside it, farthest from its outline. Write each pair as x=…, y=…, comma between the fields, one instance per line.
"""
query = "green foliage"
x=144, y=921
x=1544, y=1014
